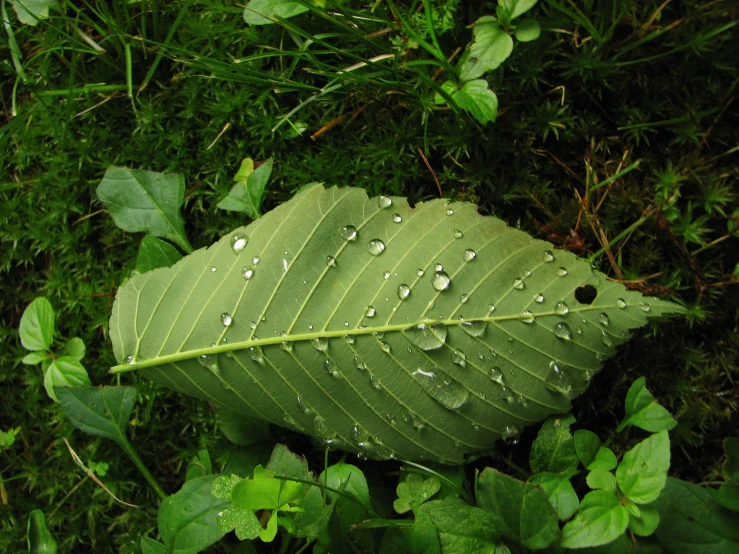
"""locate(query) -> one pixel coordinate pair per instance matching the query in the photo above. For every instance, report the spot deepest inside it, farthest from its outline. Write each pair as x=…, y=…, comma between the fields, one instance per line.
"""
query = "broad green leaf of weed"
x=31, y=12
x=728, y=496
x=414, y=491
x=642, y=473
x=559, y=490
x=601, y=479
x=462, y=528
x=145, y=201
x=311, y=344
x=422, y=538
x=39, y=537
x=155, y=253
x=151, y=546
x=64, y=371
x=37, y=325
x=643, y=411
x=100, y=411
x=264, y=491
x=601, y=519
x=348, y=478
x=554, y=448
x=75, y=348
x=517, y=8
x=267, y=12
x=7, y=438
x=491, y=47
x=527, y=30
x=223, y=485
x=246, y=195
x=315, y=515
x=587, y=444
x=646, y=522
x=286, y=464
x=474, y=97
x=521, y=511
x=692, y=522
x=187, y=520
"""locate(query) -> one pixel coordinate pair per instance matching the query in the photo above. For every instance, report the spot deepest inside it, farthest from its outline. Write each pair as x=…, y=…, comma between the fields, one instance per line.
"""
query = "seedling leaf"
x=461, y=528
x=31, y=12
x=527, y=30
x=517, y=8
x=246, y=194
x=75, y=348
x=422, y=538
x=642, y=473
x=37, y=325
x=643, y=411
x=64, y=371
x=557, y=487
x=40, y=539
x=554, y=449
x=491, y=47
x=601, y=519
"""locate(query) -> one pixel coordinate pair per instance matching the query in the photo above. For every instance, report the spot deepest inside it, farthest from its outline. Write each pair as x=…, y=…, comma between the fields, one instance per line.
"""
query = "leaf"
x=150, y=546
x=731, y=466
x=554, y=449
x=101, y=411
x=521, y=511
x=559, y=490
x=75, y=348
x=40, y=540
x=601, y=519
x=642, y=473
x=414, y=491
x=692, y=522
x=527, y=30
x=286, y=464
x=266, y=12
x=37, y=325
x=643, y=411
x=728, y=496
x=604, y=459
x=199, y=466
x=474, y=97
x=349, y=478
x=462, y=529
x=187, y=519
x=491, y=47
x=246, y=194
x=602, y=479
x=31, y=11
x=145, y=201
x=646, y=522
x=155, y=253
x=312, y=345
x=422, y=538
x=516, y=8
x=64, y=372
x=34, y=358
x=315, y=515
x=241, y=520
x=587, y=444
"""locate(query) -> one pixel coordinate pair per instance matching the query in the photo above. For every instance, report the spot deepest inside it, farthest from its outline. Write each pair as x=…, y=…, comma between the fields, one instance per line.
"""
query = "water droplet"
x=562, y=330
x=359, y=364
x=495, y=374
x=370, y=311
x=374, y=382
x=255, y=260
x=209, y=361
x=322, y=429
x=427, y=337
x=360, y=436
x=548, y=256
x=522, y=400
x=404, y=291
x=384, y=202
x=320, y=344
x=379, y=334
x=507, y=394
x=527, y=316
x=557, y=379
x=603, y=319
x=438, y=267
x=238, y=242
x=330, y=261
x=527, y=273
x=349, y=232
x=606, y=339
x=469, y=255
x=330, y=366
x=561, y=308
x=310, y=327
x=385, y=347
x=518, y=284
x=621, y=303
x=458, y=234
x=286, y=345
x=491, y=308
x=213, y=269
x=578, y=330
x=644, y=307
x=350, y=339
x=420, y=272
x=440, y=281
x=539, y=298
x=449, y=211
x=561, y=272
x=226, y=319
x=442, y=388
x=464, y=298
x=474, y=328
x=397, y=218
x=511, y=434
x=129, y=360
x=255, y=353
x=375, y=247
x=459, y=358
x=303, y=407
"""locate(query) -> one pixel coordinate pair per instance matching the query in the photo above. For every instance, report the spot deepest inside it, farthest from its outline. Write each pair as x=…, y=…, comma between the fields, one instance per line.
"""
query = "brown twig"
x=433, y=174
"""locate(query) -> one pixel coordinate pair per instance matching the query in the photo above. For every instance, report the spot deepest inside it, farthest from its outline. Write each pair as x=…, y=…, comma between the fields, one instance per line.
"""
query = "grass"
x=188, y=87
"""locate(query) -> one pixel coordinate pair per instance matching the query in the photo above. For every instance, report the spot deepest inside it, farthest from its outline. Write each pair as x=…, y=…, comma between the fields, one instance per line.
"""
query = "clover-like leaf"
x=414, y=491
x=335, y=310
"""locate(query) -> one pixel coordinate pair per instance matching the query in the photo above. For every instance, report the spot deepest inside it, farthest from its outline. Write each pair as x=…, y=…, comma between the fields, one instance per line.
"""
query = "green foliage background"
x=608, y=83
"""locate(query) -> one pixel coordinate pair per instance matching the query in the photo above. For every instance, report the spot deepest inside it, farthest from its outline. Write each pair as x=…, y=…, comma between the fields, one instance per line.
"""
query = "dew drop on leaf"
x=561, y=308
x=384, y=202
x=527, y=316
x=458, y=234
x=469, y=255
x=255, y=260
x=511, y=434
x=562, y=330
x=539, y=298
x=238, y=242
x=322, y=429
x=474, y=328
x=495, y=374
x=420, y=272
x=449, y=211
x=226, y=319
x=427, y=337
x=459, y=358
x=621, y=303
x=404, y=291
x=320, y=344
x=255, y=353
x=442, y=388
x=359, y=364
x=375, y=247
x=397, y=218
x=603, y=319
x=438, y=267
x=440, y=281
x=350, y=339
x=303, y=407
x=286, y=345
x=606, y=339
x=330, y=366
x=248, y=273
x=561, y=272
x=330, y=261
x=557, y=379
x=374, y=382
x=522, y=400
x=518, y=284
x=360, y=435
x=370, y=311
x=464, y=298
x=644, y=307
x=385, y=347
x=349, y=232
x=209, y=361
x=548, y=256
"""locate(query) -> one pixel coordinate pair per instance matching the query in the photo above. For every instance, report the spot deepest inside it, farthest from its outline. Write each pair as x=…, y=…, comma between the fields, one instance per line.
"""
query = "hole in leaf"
x=586, y=294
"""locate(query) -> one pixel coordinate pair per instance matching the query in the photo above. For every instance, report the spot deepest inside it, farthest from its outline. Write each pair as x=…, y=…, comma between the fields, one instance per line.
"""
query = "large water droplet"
x=527, y=316
x=238, y=242
x=518, y=284
x=442, y=388
x=370, y=311
x=286, y=345
x=449, y=211
x=385, y=347
x=495, y=374
x=469, y=255
x=404, y=291
x=349, y=232
x=440, y=281
x=427, y=337
x=561, y=272
x=459, y=357
x=384, y=202
x=330, y=366
x=397, y=218
x=330, y=261
x=420, y=272
x=255, y=260
x=255, y=353
x=458, y=234
x=226, y=319
x=248, y=273
x=360, y=436
x=511, y=434
x=474, y=328
x=603, y=319
x=548, y=256
x=621, y=303
x=303, y=407
x=562, y=330
x=375, y=247
x=561, y=308
x=644, y=307
x=320, y=344
x=359, y=364
x=557, y=379
x=322, y=429
x=210, y=361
